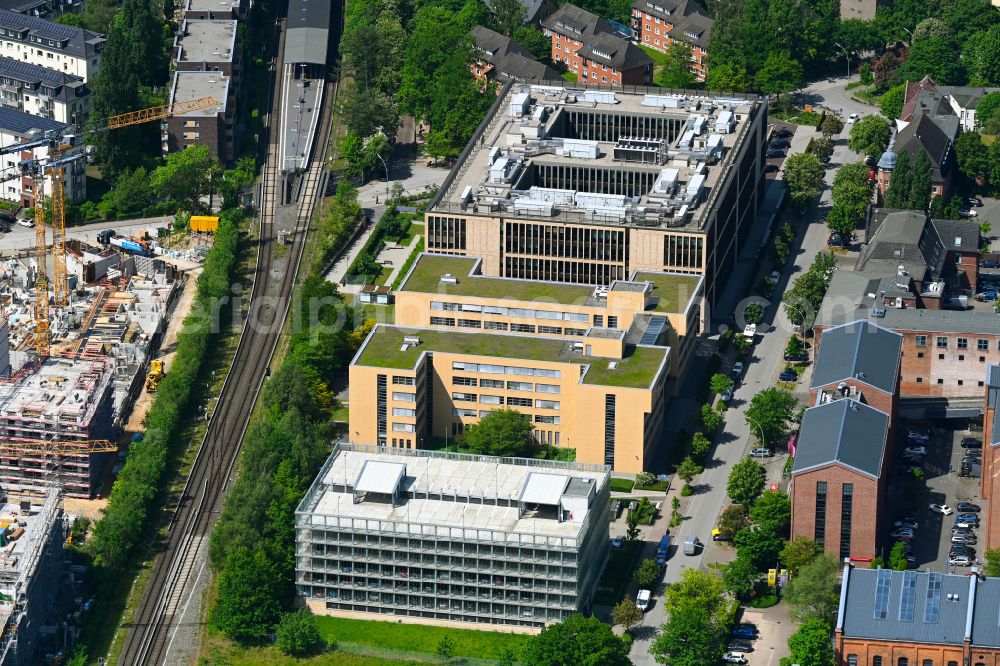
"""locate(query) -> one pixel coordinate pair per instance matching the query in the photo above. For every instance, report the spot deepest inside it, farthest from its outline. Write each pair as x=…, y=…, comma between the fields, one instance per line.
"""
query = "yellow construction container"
x=204, y=223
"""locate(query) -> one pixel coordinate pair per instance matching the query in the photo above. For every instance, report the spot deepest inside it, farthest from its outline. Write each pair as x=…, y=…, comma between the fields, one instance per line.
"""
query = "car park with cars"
x=744, y=630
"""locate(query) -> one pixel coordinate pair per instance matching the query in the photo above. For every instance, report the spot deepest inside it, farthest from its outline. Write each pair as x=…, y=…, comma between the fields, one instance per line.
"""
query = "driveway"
x=832, y=95
x=23, y=238
x=703, y=508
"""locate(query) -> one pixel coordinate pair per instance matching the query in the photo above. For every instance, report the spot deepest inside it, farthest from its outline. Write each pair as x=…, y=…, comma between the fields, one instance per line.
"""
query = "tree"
x=753, y=313
x=931, y=27
x=700, y=588
x=811, y=644
x=973, y=156
x=534, y=40
x=732, y=519
x=368, y=110
x=297, y=634
x=758, y=546
x=769, y=414
x=689, y=638
x=987, y=109
x=746, y=480
x=626, y=613
x=187, y=177
x=814, y=593
x=852, y=191
x=840, y=221
x=577, y=640
x=646, y=574
x=803, y=179
x=506, y=656
x=249, y=601
x=891, y=104
x=897, y=557
x=728, y=77
x=700, y=446
x=982, y=57
x=720, y=383
x=865, y=74
x=632, y=532
x=799, y=552
x=947, y=209
x=711, y=420
x=899, y=182
x=506, y=16
x=870, y=136
x=676, y=71
x=772, y=512
x=933, y=57
x=129, y=196
x=992, y=568
x=779, y=73
x=831, y=125
x=688, y=469
x=445, y=647
x=885, y=69
x=502, y=432
x=920, y=186
x=740, y=576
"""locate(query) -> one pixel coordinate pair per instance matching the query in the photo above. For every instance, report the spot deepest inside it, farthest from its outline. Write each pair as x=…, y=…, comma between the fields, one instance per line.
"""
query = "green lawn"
x=798, y=117
x=618, y=573
x=420, y=638
x=659, y=59
x=656, y=485
x=220, y=652
x=569, y=76
x=414, y=229
x=342, y=413
x=636, y=370
x=672, y=290
x=621, y=485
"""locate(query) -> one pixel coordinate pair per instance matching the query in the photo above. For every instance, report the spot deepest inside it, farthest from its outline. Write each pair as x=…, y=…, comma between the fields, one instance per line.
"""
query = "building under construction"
x=31, y=539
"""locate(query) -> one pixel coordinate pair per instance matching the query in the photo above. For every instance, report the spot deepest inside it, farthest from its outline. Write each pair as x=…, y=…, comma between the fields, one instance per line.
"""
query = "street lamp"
x=910, y=33
x=386, y=177
x=753, y=422
x=848, y=56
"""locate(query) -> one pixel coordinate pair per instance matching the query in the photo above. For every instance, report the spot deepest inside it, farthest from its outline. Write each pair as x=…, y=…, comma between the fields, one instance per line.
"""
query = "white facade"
x=60, y=47
x=18, y=127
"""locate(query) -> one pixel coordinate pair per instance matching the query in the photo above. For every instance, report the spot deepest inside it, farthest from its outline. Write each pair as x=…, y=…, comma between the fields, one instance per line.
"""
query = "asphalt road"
x=23, y=238
x=832, y=95
x=765, y=362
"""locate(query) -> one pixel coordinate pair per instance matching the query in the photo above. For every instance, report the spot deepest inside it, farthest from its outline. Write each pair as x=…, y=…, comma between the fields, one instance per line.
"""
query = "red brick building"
x=839, y=475
x=659, y=23
x=592, y=49
x=989, y=487
x=499, y=58
x=910, y=618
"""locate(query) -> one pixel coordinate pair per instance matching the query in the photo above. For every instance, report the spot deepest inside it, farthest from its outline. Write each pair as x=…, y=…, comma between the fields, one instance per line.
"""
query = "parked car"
x=737, y=372
x=719, y=535
x=740, y=646
x=989, y=263
x=943, y=509
x=734, y=658
x=774, y=153
x=915, y=451
x=760, y=453
x=965, y=212
x=769, y=168
x=747, y=631
x=801, y=357
x=973, y=201
x=617, y=542
x=26, y=223
x=642, y=600
x=835, y=240
x=774, y=277
x=968, y=518
x=971, y=443
x=788, y=375
x=727, y=395
x=853, y=117
x=780, y=143
x=964, y=539
x=903, y=534
x=825, y=159
x=960, y=561
x=905, y=522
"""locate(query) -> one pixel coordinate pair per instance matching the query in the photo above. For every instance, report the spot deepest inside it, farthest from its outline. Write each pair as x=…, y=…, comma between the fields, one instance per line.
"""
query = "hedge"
x=121, y=529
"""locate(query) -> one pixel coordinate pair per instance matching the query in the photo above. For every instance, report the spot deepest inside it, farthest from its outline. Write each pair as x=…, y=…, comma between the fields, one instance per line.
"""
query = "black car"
x=740, y=646
x=782, y=133
x=835, y=240
x=775, y=153
x=5, y=229
x=989, y=263
x=967, y=507
x=825, y=159
x=801, y=357
x=973, y=201
x=781, y=143
x=971, y=443
x=769, y=168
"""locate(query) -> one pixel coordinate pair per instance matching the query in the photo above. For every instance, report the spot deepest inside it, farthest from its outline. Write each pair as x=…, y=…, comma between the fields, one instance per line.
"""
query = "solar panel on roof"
x=932, y=611
x=653, y=331
x=908, y=600
x=882, y=586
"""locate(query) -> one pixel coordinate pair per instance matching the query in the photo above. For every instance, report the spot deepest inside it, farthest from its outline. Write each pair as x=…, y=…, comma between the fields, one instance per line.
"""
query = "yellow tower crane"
x=52, y=166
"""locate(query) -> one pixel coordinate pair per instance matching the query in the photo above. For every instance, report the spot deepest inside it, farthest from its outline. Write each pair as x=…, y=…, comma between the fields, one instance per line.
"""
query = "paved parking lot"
x=941, y=485
x=774, y=626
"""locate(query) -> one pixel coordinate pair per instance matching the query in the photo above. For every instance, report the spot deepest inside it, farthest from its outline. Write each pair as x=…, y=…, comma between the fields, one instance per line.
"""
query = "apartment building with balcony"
x=658, y=24
x=44, y=9
x=600, y=395
x=449, y=292
x=211, y=127
x=593, y=50
x=444, y=538
x=20, y=127
x=43, y=92
x=60, y=47
x=589, y=185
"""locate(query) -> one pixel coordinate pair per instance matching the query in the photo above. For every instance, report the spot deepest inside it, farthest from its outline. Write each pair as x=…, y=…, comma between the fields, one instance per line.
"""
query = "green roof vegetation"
x=672, y=289
x=384, y=350
x=427, y=272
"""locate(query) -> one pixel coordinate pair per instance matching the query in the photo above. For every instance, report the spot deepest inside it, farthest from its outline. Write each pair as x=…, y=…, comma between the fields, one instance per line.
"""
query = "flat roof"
x=672, y=291
x=384, y=349
x=437, y=487
x=530, y=128
x=212, y=5
x=308, y=31
x=60, y=388
x=378, y=476
x=206, y=41
x=195, y=85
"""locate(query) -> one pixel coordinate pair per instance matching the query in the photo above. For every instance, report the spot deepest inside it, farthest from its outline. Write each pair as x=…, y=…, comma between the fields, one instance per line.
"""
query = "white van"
x=642, y=600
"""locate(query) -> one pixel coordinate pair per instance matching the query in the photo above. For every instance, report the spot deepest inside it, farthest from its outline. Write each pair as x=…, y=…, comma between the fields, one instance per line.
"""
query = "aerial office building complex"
x=440, y=537
x=589, y=185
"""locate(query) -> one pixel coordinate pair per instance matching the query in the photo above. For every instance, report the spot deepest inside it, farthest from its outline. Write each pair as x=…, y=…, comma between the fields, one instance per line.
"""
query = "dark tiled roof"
x=79, y=43
x=577, y=23
x=19, y=122
x=932, y=134
x=859, y=350
x=908, y=238
x=510, y=59
x=844, y=431
x=534, y=10
x=614, y=52
x=67, y=85
x=691, y=23
x=912, y=95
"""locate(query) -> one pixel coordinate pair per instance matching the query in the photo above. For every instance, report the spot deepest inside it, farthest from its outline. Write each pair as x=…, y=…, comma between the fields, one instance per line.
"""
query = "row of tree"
x=140, y=483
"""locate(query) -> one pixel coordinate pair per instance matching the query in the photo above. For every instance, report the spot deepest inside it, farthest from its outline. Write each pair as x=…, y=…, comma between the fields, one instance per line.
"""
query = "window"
x=522, y=328
x=547, y=388
x=404, y=397
x=961, y=357
x=491, y=383
x=402, y=411
x=852, y=660
x=920, y=354
x=928, y=662
x=940, y=381
x=921, y=340
x=550, y=330
x=442, y=321
x=403, y=427
x=495, y=325
x=546, y=404
x=846, y=507
x=876, y=661
x=464, y=397
x=470, y=323
x=903, y=661
x=982, y=345
x=547, y=419
x=940, y=357
x=612, y=322
x=491, y=399
x=610, y=403
x=519, y=402
x=960, y=382
x=819, y=533
x=963, y=343
x=599, y=321
x=920, y=380
x=942, y=342
x=464, y=381
x=402, y=381
x=519, y=386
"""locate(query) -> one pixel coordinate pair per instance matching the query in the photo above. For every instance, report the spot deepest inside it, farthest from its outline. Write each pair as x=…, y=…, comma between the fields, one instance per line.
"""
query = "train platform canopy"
x=308, y=31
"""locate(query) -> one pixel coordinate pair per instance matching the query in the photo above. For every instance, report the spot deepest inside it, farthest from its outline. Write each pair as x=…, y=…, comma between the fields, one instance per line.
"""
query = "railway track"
x=177, y=571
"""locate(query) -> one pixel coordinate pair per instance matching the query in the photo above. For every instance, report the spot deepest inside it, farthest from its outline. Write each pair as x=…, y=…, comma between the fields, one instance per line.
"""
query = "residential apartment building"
x=19, y=127
x=601, y=396
x=658, y=24
x=845, y=440
x=917, y=618
x=926, y=97
x=31, y=562
x=60, y=47
x=928, y=134
x=594, y=51
x=499, y=58
x=212, y=127
x=535, y=11
x=911, y=271
x=444, y=538
x=208, y=46
x=213, y=10
x=45, y=9
x=43, y=92
x=449, y=291
x=588, y=186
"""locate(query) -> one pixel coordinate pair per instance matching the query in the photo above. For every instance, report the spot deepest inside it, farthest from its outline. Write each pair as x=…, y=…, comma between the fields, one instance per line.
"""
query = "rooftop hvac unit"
x=448, y=278
x=519, y=104
x=600, y=96
x=664, y=101
x=411, y=339
x=579, y=148
x=666, y=183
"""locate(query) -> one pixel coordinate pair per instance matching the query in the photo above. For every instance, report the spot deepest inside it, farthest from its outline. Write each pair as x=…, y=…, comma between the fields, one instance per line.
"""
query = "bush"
x=644, y=479
x=687, y=490
x=297, y=634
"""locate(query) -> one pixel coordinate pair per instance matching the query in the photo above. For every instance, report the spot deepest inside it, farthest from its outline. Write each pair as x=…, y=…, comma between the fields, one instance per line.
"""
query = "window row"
x=941, y=342
x=490, y=369
x=522, y=313
x=487, y=399
x=511, y=386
